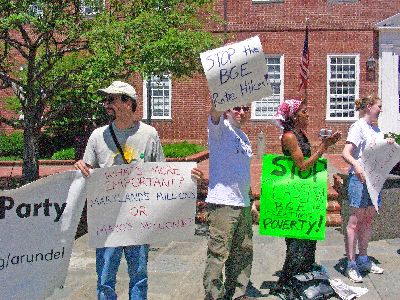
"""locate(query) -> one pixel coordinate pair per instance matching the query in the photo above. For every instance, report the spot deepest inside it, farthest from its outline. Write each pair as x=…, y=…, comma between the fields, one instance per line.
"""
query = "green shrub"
x=12, y=144
x=68, y=153
x=10, y=158
x=182, y=149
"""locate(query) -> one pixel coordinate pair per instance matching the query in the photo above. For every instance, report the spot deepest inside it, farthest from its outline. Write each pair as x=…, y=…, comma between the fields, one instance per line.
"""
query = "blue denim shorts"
x=358, y=193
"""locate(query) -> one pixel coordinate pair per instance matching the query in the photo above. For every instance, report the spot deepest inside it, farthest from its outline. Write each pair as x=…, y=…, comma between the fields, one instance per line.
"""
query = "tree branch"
x=48, y=94
x=48, y=117
x=61, y=82
x=24, y=34
x=14, y=123
x=17, y=87
x=77, y=48
x=16, y=44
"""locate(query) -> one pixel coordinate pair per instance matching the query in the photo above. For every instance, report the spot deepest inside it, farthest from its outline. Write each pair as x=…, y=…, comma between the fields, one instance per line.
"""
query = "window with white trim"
x=36, y=9
x=91, y=8
x=160, y=97
x=342, y=86
x=266, y=107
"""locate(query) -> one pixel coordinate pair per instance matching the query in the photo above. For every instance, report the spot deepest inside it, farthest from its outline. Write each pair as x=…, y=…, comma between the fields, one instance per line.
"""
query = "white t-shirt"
x=140, y=142
x=360, y=134
x=229, y=164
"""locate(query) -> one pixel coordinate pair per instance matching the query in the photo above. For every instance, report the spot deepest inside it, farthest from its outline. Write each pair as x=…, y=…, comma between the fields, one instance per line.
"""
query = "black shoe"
x=277, y=289
x=282, y=292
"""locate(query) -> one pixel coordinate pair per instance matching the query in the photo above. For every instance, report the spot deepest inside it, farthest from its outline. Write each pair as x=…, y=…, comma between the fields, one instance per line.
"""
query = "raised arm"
x=215, y=115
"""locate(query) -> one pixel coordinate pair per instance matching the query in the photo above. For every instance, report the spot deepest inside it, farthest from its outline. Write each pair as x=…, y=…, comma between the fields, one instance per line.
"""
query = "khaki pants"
x=230, y=245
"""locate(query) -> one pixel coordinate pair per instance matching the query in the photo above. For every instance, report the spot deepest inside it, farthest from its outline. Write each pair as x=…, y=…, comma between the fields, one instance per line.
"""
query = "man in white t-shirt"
x=123, y=141
x=228, y=203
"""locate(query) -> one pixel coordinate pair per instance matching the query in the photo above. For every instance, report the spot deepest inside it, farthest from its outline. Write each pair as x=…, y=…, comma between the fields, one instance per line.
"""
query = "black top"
x=303, y=142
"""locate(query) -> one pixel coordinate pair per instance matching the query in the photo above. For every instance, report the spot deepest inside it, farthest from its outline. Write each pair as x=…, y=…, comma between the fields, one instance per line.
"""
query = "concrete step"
x=333, y=206
x=333, y=216
x=337, y=182
x=333, y=195
x=333, y=219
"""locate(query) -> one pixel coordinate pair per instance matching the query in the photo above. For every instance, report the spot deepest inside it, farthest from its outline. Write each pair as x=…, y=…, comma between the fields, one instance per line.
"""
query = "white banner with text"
x=378, y=160
x=38, y=225
x=141, y=203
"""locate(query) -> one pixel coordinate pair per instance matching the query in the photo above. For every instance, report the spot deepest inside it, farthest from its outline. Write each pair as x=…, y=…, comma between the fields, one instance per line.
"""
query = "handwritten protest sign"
x=141, y=203
x=236, y=74
x=38, y=225
x=293, y=203
x=378, y=160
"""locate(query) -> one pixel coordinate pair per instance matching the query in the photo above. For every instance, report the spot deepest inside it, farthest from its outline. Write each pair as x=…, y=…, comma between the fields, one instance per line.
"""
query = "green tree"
x=54, y=57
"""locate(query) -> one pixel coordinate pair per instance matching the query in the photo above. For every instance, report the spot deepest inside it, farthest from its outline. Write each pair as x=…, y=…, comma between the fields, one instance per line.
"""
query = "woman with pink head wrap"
x=292, y=118
x=285, y=112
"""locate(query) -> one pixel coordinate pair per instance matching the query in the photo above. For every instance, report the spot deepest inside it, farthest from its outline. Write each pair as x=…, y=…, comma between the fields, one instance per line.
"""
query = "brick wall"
x=346, y=28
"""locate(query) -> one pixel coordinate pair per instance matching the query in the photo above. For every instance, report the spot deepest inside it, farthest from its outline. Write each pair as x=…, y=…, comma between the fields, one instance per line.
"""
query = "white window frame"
x=93, y=12
x=169, y=117
x=328, y=80
x=36, y=9
x=282, y=85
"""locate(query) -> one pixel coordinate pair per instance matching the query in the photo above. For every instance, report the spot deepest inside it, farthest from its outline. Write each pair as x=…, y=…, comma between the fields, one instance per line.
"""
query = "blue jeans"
x=358, y=193
x=107, y=263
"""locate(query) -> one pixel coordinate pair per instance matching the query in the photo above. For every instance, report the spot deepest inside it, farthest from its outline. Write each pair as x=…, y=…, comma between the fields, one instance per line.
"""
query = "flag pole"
x=304, y=64
x=306, y=87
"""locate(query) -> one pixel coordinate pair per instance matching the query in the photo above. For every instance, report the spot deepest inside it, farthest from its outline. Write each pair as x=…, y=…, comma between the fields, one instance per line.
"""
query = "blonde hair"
x=362, y=103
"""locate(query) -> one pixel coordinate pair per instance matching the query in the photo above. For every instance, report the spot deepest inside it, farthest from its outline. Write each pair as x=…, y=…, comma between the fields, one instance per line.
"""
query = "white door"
x=389, y=120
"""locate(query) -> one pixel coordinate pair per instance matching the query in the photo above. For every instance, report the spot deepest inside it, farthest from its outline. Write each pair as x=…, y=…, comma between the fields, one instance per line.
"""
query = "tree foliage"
x=54, y=58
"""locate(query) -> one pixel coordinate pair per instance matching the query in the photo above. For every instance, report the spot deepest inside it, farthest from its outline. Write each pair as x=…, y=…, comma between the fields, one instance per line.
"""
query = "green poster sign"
x=293, y=203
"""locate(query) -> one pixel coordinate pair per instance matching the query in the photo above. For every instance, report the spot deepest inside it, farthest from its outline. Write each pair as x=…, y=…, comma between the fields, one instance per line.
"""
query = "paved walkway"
x=176, y=269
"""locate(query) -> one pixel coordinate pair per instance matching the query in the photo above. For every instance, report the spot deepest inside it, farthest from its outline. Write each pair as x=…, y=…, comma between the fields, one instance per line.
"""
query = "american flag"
x=304, y=63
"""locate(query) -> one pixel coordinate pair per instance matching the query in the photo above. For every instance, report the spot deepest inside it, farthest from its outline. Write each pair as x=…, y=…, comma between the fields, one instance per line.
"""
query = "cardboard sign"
x=378, y=159
x=236, y=74
x=293, y=203
x=141, y=203
x=38, y=224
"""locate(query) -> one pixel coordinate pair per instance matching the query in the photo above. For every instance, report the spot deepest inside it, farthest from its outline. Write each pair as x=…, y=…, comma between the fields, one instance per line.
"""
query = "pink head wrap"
x=286, y=110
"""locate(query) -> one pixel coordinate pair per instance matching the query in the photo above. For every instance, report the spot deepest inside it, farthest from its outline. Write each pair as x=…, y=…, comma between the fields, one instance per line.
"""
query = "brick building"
x=354, y=50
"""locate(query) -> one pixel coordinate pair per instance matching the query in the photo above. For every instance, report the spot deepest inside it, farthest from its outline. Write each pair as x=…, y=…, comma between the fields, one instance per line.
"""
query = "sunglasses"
x=239, y=108
x=109, y=99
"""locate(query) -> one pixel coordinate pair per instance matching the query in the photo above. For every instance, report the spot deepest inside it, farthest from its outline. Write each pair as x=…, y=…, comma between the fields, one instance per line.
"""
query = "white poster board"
x=141, y=203
x=38, y=225
x=236, y=74
x=378, y=160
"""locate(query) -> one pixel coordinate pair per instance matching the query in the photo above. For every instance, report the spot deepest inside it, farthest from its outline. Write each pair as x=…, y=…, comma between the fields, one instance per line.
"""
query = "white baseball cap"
x=119, y=87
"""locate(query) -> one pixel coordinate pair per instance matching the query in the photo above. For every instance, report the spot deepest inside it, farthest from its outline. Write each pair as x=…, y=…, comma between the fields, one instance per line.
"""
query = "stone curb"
x=42, y=162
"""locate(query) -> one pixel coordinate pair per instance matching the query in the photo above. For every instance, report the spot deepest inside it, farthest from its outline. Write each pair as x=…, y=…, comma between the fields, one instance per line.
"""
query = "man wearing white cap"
x=123, y=141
